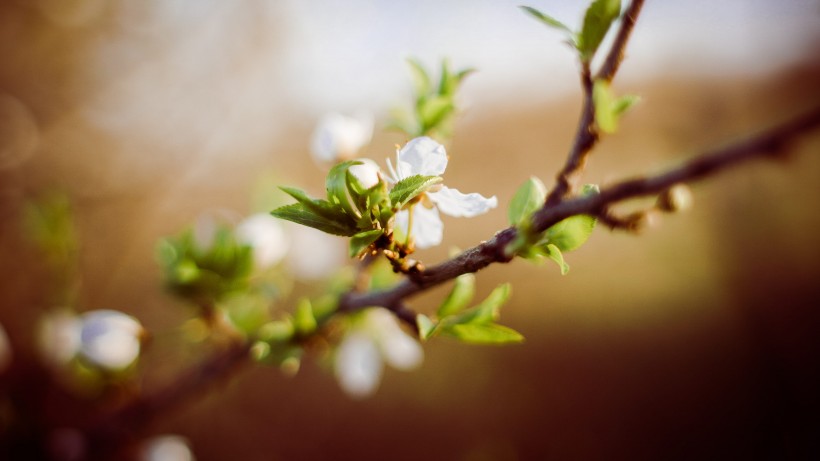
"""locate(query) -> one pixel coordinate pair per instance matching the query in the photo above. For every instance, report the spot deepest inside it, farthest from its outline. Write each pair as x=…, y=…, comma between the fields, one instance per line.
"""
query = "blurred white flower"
x=313, y=254
x=424, y=156
x=167, y=448
x=340, y=137
x=5, y=349
x=58, y=336
x=266, y=237
x=110, y=339
x=375, y=339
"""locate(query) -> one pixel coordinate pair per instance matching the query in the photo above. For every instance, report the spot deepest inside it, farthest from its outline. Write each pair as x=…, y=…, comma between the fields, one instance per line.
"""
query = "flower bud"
x=110, y=339
x=676, y=198
x=366, y=172
x=339, y=137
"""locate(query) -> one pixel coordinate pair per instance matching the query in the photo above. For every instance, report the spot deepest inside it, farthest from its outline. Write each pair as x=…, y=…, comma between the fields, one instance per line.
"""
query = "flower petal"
x=428, y=230
x=454, y=203
x=358, y=365
x=265, y=235
x=110, y=339
x=398, y=348
x=421, y=156
x=338, y=137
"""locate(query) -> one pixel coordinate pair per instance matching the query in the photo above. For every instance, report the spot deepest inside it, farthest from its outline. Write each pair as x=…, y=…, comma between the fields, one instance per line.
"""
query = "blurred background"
x=699, y=339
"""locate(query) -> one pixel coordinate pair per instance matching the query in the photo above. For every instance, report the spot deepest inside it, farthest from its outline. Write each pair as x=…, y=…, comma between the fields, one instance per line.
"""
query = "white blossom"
x=110, y=339
x=367, y=172
x=58, y=336
x=266, y=237
x=424, y=156
x=167, y=448
x=340, y=137
x=374, y=340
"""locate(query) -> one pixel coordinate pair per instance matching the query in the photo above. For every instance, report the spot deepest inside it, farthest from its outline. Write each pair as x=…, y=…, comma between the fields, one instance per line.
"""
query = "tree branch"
x=772, y=141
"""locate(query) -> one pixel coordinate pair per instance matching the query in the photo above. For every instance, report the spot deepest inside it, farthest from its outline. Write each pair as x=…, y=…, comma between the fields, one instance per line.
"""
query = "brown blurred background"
x=698, y=340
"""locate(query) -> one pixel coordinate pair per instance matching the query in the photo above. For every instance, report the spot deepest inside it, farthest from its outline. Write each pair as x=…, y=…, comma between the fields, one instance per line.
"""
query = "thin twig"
x=586, y=135
x=616, y=53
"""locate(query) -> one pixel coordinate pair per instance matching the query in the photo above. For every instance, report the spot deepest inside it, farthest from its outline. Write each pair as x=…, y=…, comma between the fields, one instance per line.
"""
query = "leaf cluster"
x=205, y=274
x=566, y=235
x=434, y=102
x=476, y=325
x=353, y=210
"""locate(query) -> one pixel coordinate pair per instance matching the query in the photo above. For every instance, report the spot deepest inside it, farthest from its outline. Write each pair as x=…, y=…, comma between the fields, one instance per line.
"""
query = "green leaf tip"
x=597, y=20
x=546, y=19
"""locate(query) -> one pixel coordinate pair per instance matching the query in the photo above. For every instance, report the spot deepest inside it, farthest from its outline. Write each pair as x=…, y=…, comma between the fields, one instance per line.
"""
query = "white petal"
x=265, y=235
x=110, y=339
x=428, y=230
x=454, y=203
x=367, y=172
x=358, y=365
x=421, y=156
x=58, y=336
x=399, y=349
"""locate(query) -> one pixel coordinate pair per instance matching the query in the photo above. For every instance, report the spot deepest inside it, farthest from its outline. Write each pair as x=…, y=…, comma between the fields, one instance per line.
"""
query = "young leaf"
x=432, y=111
x=603, y=98
x=571, y=233
x=484, y=313
x=597, y=20
x=297, y=213
x=461, y=294
x=527, y=199
x=337, y=191
x=303, y=319
x=490, y=333
x=547, y=19
x=322, y=208
x=555, y=254
x=361, y=241
x=409, y=188
x=426, y=327
x=421, y=80
x=623, y=103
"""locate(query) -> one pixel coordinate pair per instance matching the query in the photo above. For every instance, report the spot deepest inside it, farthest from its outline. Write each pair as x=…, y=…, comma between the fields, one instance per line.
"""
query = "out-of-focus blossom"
x=110, y=339
x=424, y=156
x=339, y=137
x=265, y=235
x=313, y=254
x=167, y=448
x=375, y=339
x=58, y=336
x=5, y=349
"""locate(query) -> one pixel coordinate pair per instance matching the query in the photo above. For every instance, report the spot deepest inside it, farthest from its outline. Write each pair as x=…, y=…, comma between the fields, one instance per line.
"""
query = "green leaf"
x=303, y=319
x=409, y=188
x=426, y=327
x=361, y=241
x=297, y=213
x=458, y=298
x=338, y=192
x=491, y=333
x=432, y=111
x=571, y=233
x=527, y=199
x=597, y=21
x=486, y=312
x=421, y=80
x=547, y=19
x=555, y=254
x=320, y=207
x=603, y=99
x=622, y=104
